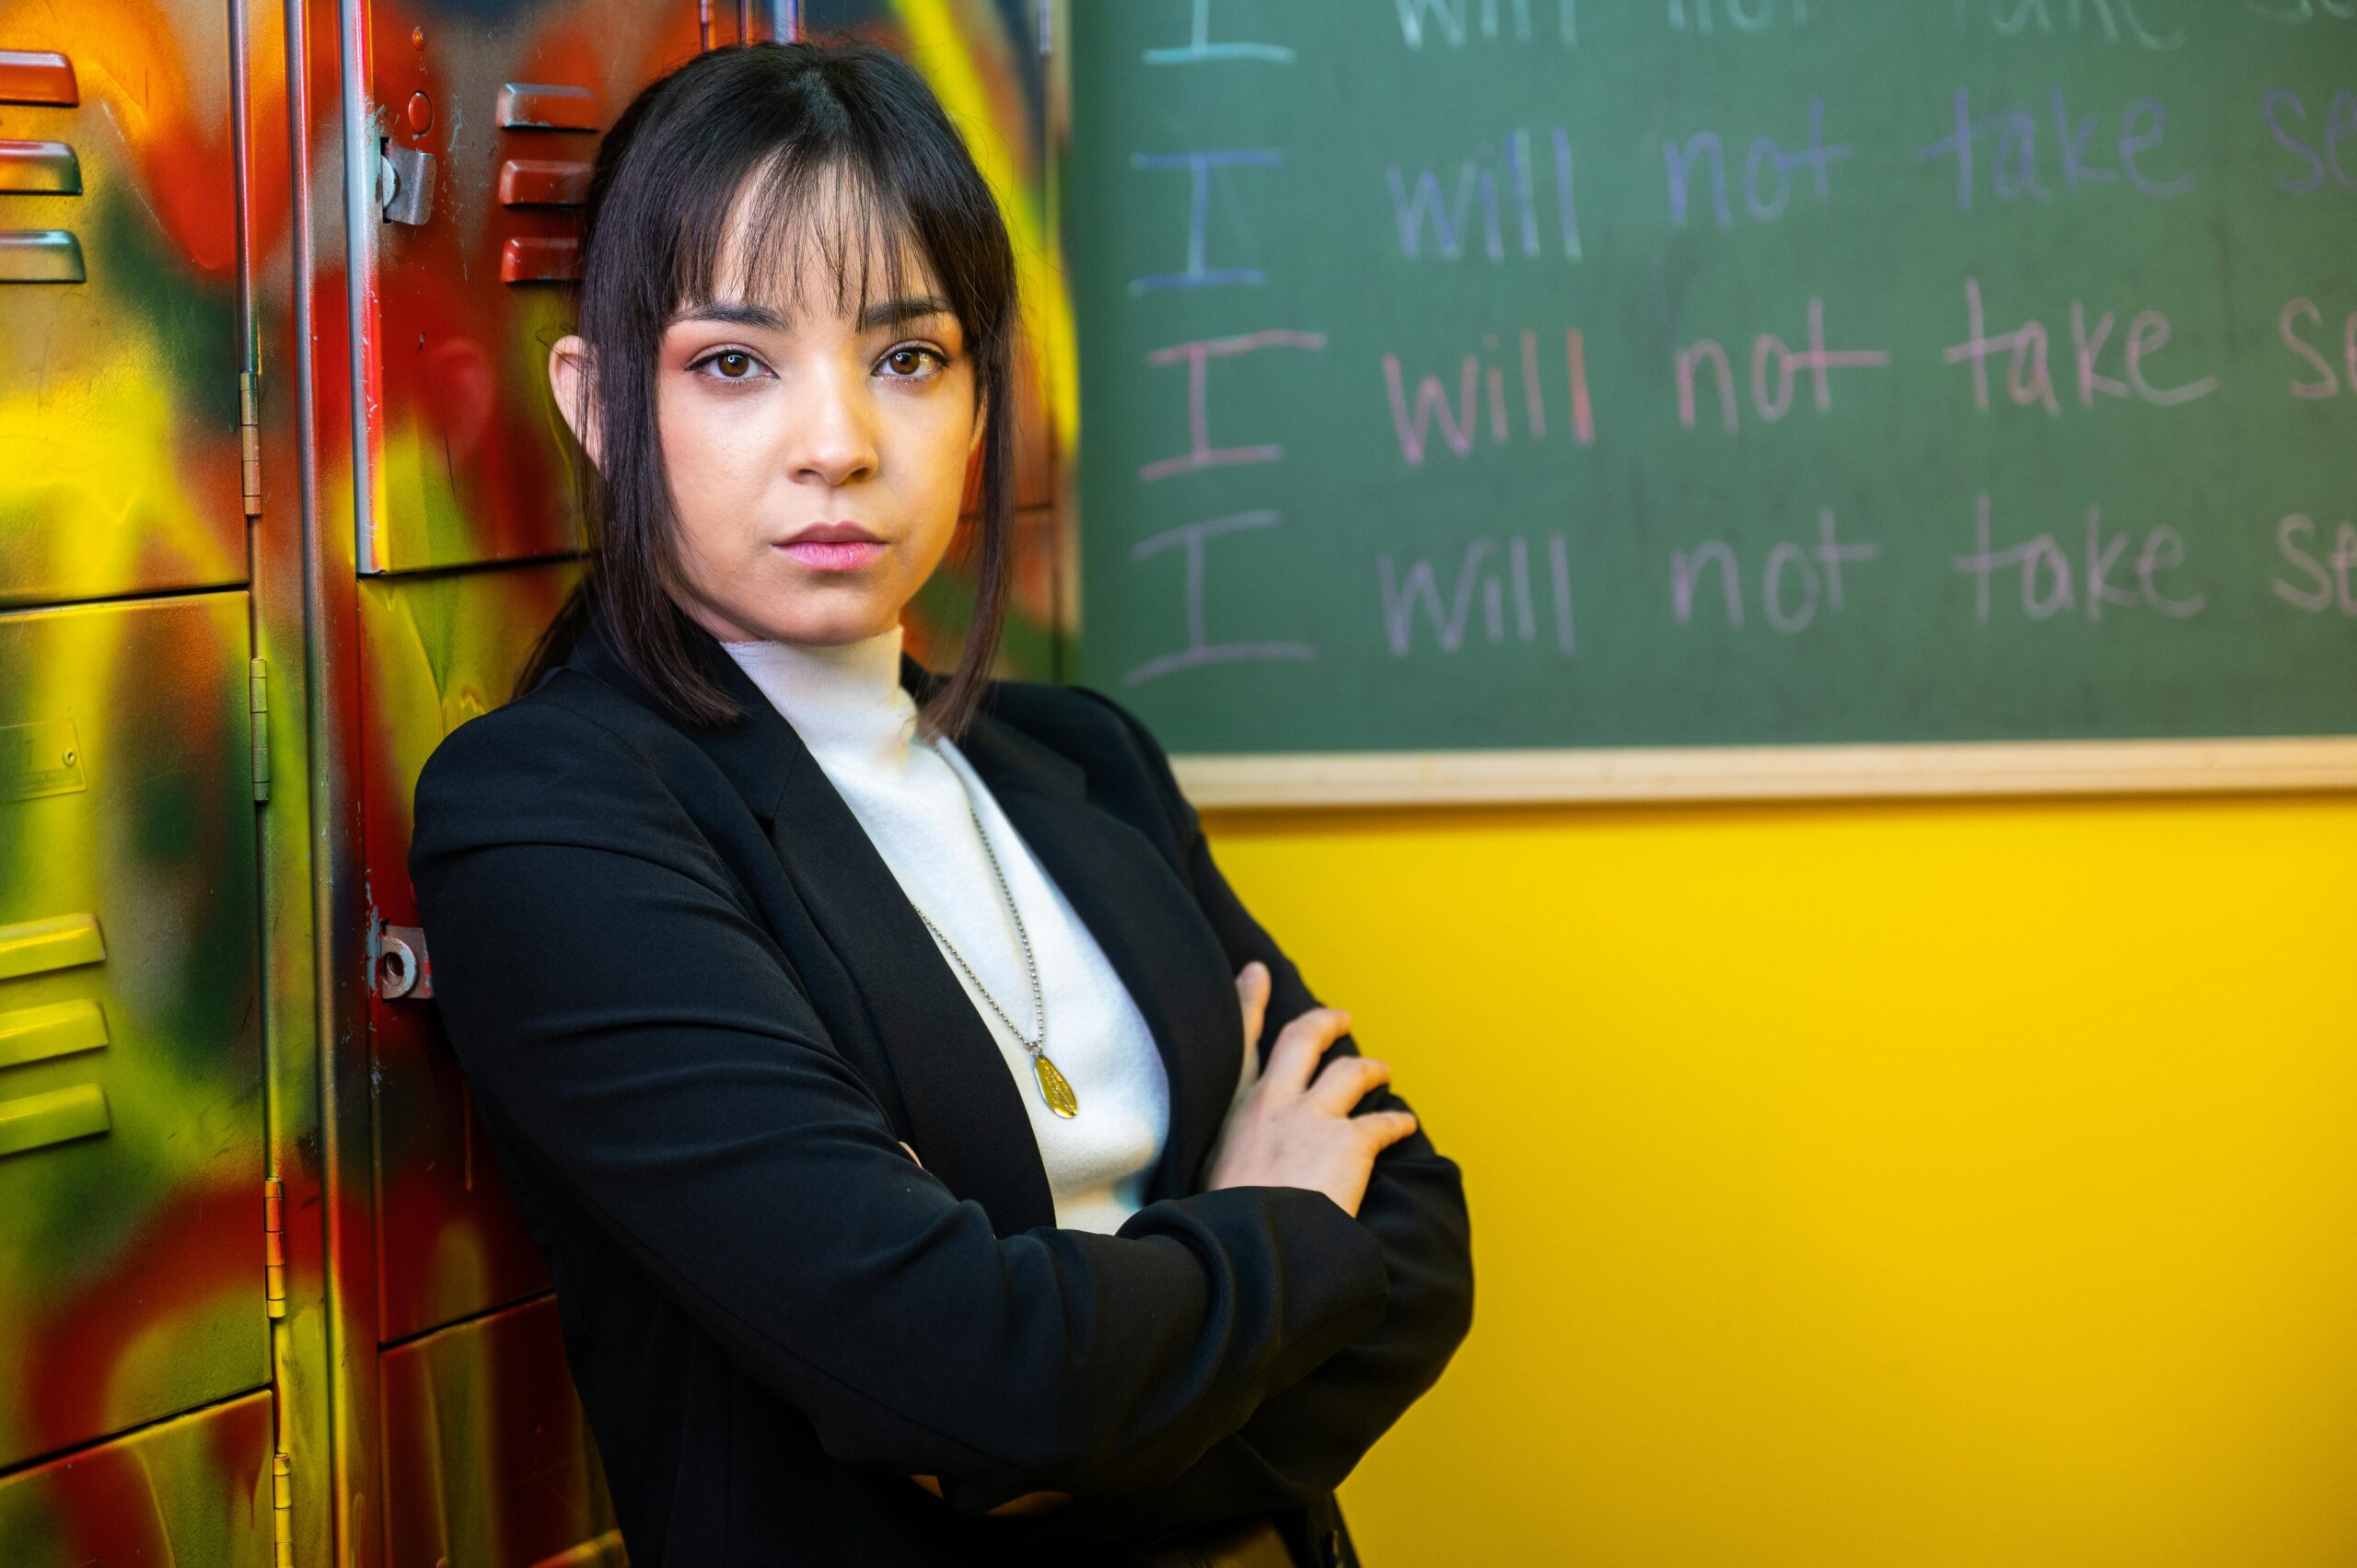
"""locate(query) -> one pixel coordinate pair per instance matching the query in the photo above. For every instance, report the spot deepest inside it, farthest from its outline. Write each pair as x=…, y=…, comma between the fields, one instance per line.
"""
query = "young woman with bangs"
x=935, y=1162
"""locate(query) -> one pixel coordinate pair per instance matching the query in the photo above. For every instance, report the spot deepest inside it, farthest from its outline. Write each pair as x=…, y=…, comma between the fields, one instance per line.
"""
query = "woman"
x=873, y=1053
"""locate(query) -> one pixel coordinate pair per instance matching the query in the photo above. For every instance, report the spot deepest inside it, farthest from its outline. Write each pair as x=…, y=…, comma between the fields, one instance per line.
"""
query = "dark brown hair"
x=839, y=147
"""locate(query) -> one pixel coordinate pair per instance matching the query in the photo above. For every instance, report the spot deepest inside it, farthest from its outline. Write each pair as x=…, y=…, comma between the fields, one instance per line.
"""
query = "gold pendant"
x=1053, y=1088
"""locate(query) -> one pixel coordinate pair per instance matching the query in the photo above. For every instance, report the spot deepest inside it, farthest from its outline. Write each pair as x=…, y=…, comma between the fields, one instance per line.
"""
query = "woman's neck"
x=844, y=700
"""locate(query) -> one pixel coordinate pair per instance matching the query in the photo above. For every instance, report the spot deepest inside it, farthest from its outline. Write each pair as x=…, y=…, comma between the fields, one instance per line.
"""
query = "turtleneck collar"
x=845, y=701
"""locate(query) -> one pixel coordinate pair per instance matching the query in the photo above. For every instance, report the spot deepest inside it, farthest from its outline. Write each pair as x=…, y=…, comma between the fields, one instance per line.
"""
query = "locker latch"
x=399, y=967
x=404, y=183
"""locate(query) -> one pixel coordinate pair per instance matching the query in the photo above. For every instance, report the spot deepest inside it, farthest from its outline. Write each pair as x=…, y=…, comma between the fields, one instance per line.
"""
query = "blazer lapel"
x=966, y=1116
x=965, y=1111
x=1143, y=918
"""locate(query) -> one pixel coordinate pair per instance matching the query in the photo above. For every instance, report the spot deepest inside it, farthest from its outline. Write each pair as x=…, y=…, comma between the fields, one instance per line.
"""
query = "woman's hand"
x=1030, y=1503
x=1292, y=1131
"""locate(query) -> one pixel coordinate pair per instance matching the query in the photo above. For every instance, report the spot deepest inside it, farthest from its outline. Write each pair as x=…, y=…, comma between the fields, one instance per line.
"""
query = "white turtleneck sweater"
x=847, y=704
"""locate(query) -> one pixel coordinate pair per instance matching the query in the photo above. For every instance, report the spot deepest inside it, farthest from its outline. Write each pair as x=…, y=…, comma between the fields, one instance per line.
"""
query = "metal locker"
x=132, y=1158
x=120, y=449
x=439, y=649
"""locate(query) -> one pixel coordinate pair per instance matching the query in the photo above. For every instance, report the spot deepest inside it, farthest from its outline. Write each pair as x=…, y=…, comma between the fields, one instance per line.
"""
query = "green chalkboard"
x=1470, y=374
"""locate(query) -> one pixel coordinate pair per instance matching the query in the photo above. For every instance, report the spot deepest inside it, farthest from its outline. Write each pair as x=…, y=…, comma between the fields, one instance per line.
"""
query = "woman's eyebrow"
x=893, y=312
x=885, y=313
x=732, y=313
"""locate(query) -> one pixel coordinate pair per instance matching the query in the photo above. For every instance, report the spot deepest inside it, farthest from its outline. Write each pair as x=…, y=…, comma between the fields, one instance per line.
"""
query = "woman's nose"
x=834, y=436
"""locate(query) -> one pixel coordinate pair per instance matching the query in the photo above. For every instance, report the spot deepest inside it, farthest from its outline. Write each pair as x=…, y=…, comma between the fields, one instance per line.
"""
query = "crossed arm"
x=1301, y=1442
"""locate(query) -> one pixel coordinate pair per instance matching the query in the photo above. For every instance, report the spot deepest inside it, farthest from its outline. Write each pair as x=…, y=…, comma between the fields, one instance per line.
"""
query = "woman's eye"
x=909, y=361
x=730, y=364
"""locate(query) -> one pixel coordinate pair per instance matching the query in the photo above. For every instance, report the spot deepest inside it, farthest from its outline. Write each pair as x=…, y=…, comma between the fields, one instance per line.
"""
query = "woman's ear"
x=575, y=391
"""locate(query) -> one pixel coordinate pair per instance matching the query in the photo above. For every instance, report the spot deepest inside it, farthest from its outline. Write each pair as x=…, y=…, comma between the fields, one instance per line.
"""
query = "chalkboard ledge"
x=1770, y=773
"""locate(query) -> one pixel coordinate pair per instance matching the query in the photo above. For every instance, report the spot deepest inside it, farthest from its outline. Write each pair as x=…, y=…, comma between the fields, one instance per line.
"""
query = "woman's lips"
x=843, y=555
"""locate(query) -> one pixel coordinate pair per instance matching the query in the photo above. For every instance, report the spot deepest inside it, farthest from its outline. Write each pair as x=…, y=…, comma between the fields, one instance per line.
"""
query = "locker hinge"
x=257, y=686
x=249, y=436
x=274, y=1245
x=282, y=1509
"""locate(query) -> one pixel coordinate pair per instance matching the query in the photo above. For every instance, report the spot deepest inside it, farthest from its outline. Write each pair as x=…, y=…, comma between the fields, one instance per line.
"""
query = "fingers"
x=1346, y=1081
x=1252, y=990
x=1300, y=1043
x=1385, y=1128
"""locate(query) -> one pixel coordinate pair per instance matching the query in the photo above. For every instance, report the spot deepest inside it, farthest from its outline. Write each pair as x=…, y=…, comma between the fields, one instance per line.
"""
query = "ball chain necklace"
x=1053, y=1087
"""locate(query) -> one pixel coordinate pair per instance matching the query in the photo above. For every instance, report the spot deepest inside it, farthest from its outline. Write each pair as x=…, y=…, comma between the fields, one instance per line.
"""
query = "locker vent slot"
x=63, y=942
x=35, y=1121
x=39, y=169
x=37, y=1034
x=524, y=259
x=37, y=75
x=39, y=255
x=543, y=183
x=542, y=106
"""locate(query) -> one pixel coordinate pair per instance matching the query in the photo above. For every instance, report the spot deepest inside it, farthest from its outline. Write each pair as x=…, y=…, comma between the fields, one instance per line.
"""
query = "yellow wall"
x=1896, y=1187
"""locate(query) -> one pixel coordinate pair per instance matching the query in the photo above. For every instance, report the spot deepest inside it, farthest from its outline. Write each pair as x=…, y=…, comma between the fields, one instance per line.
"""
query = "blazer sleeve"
x=644, y=1039
x=1301, y=1442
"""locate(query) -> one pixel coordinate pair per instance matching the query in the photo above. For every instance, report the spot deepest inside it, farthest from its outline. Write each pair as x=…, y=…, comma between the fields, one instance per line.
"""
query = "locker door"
x=488, y=129
x=490, y=117
x=118, y=397
x=132, y=1151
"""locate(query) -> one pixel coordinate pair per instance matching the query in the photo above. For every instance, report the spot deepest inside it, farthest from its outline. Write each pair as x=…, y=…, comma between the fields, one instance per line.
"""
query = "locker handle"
x=37, y=75
x=40, y=169
x=61, y=942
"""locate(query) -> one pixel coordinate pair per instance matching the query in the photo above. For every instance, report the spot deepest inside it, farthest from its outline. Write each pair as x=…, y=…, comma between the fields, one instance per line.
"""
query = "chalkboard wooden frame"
x=1701, y=775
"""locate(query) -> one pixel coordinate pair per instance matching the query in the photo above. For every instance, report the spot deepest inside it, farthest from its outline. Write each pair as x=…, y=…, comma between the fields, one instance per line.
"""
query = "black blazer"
x=700, y=1016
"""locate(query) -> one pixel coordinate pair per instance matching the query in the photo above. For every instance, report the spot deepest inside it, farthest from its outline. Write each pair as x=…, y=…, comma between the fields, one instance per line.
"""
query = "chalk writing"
x=2049, y=580
x=2332, y=587
x=1425, y=208
x=1766, y=201
x=1771, y=358
x=1744, y=16
x=1460, y=426
x=2326, y=383
x=2029, y=377
x=2014, y=164
x=2119, y=20
x=1197, y=356
x=2294, y=12
x=1452, y=21
x=1200, y=650
x=2339, y=125
x=1814, y=574
x=1200, y=167
x=1200, y=48
x=1418, y=587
